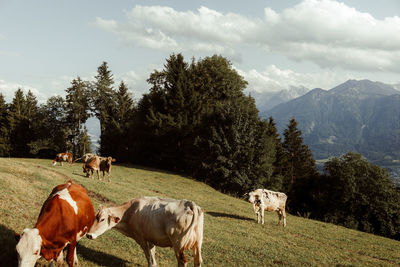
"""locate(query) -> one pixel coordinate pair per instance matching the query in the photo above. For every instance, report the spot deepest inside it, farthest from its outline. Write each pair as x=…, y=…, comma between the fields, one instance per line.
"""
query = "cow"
x=64, y=219
x=60, y=157
x=98, y=164
x=84, y=158
x=154, y=221
x=263, y=199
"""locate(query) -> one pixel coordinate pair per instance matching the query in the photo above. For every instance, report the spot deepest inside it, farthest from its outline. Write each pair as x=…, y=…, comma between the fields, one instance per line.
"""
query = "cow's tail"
x=197, y=222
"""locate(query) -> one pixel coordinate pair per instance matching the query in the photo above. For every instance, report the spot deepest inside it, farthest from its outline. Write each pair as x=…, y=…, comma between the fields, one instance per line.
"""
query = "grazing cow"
x=60, y=157
x=154, y=221
x=65, y=217
x=263, y=199
x=98, y=164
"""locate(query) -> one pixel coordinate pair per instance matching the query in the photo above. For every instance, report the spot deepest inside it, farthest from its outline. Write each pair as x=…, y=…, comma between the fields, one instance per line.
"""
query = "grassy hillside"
x=231, y=235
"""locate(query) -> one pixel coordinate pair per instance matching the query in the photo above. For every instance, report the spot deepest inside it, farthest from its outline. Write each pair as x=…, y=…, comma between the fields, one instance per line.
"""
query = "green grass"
x=231, y=235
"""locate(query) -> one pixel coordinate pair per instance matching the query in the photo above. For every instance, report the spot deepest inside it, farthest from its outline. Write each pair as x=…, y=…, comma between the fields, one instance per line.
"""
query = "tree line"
x=197, y=120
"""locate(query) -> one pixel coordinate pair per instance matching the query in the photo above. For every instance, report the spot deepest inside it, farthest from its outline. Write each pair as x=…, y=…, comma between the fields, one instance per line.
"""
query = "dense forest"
x=196, y=120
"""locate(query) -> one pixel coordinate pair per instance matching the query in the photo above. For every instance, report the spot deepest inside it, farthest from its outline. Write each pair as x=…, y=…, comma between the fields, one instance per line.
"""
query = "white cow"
x=263, y=199
x=154, y=221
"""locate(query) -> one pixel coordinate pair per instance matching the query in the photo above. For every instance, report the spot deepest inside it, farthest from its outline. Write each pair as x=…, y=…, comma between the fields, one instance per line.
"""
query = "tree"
x=234, y=152
x=300, y=170
x=4, y=128
x=53, y=129
x=359, y=195
x=77, y=109
x=103, y=104
x=280, y=162
x=22, y=110
x=169, y=114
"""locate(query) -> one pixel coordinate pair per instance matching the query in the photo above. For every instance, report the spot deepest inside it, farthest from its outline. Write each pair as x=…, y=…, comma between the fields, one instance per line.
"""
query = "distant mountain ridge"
x=359, y=116
x=268, y=100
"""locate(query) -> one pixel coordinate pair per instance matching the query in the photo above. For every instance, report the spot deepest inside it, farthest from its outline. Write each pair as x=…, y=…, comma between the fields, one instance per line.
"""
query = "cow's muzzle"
x=90, y=236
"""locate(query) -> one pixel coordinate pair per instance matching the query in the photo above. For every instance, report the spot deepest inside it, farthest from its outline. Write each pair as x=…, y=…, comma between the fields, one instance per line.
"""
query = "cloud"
x=8, y=90
x=325, y=32
x=273, y=79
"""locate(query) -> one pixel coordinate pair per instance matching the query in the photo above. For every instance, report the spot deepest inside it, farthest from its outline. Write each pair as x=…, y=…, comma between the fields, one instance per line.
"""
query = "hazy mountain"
x=359, y=116
x=267, y=100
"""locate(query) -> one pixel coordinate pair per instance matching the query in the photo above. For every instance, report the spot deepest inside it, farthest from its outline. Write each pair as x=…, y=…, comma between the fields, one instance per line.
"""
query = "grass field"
x=231, y=235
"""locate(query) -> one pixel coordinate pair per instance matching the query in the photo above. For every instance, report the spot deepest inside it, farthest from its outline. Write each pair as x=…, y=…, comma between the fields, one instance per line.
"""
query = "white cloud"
x=325, y=32
x=273, y=79
x=8, y=90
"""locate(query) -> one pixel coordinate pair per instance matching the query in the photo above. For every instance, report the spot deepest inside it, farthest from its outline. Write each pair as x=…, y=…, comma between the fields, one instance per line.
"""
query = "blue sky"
x=274, y=44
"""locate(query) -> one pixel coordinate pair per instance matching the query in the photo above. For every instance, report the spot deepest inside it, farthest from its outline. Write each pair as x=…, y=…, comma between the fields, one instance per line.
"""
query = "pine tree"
x=53, y=129
x=276, y=182
x=20, y=137
x=4, y=128
x=77, y=109
x=104, y=103
x=300, y=170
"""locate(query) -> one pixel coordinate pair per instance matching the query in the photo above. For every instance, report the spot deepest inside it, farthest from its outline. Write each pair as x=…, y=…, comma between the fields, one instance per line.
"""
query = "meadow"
x=231, y=235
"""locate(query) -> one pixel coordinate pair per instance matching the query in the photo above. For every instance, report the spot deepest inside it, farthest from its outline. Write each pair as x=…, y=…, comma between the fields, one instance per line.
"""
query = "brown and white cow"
x=98, y=164
x=263, y=199
x=60, y=157
x=154, y=221
x=65, y=217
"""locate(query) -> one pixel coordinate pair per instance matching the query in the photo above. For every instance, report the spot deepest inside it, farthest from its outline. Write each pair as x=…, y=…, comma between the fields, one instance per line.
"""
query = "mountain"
x=359, y=116
x=268, y=100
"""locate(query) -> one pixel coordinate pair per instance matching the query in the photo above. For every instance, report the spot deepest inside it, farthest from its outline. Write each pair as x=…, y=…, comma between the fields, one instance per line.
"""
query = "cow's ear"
x=17, y=237
x=114, y=160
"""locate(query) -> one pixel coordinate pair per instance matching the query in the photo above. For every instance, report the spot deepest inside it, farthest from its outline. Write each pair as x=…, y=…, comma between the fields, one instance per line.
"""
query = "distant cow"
x=154, y=221
x=65, y=217
x=60, y=157
x=263, y=199
x=84, y=158
x=98, y=164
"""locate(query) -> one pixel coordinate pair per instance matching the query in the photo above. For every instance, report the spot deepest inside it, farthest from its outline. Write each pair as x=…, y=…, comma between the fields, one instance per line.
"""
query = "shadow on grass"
x=99, y=258
x=226, y=215
x=8, y=254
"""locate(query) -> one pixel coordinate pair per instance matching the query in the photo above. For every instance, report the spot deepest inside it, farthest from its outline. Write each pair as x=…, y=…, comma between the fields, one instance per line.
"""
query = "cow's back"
x=158, y=220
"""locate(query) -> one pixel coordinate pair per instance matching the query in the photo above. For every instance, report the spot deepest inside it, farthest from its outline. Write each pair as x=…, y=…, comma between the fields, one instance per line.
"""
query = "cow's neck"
x=120, y=211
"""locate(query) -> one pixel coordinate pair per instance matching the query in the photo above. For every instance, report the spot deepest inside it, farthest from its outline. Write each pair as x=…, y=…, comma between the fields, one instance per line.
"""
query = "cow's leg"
x=262, y=215
x=197, y=254
x=60, y=259
x=284, y=217
x=98, y=174
x=149, y=251
x=108, y=176
x=61, y=163
x=71, y=255
x=180, y=256
x=258, y=216
x=279, y=216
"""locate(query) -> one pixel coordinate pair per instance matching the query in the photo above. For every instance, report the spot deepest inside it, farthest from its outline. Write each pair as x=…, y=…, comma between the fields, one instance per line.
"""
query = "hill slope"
x=231, y=235
x=360, y=116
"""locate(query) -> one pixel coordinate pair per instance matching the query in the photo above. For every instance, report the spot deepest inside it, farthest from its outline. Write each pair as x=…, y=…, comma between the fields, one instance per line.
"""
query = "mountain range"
x=358, y=116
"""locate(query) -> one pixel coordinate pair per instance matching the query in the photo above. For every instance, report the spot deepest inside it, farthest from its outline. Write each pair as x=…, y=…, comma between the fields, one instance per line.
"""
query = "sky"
x=273, y=44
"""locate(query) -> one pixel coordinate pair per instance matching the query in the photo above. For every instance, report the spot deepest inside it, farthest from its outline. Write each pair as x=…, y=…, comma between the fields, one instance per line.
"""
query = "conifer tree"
x=19, y=123
x=103, y=105
x=276, y=182
x=4, y=128
x=52, y=134
x=299, y=171
x=121, y=123
x=77, y=109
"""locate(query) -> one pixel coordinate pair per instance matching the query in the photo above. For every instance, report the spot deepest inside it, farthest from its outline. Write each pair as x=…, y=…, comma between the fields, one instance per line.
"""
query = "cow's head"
x=104, y=220
x=255, y=196
x=28, y=247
